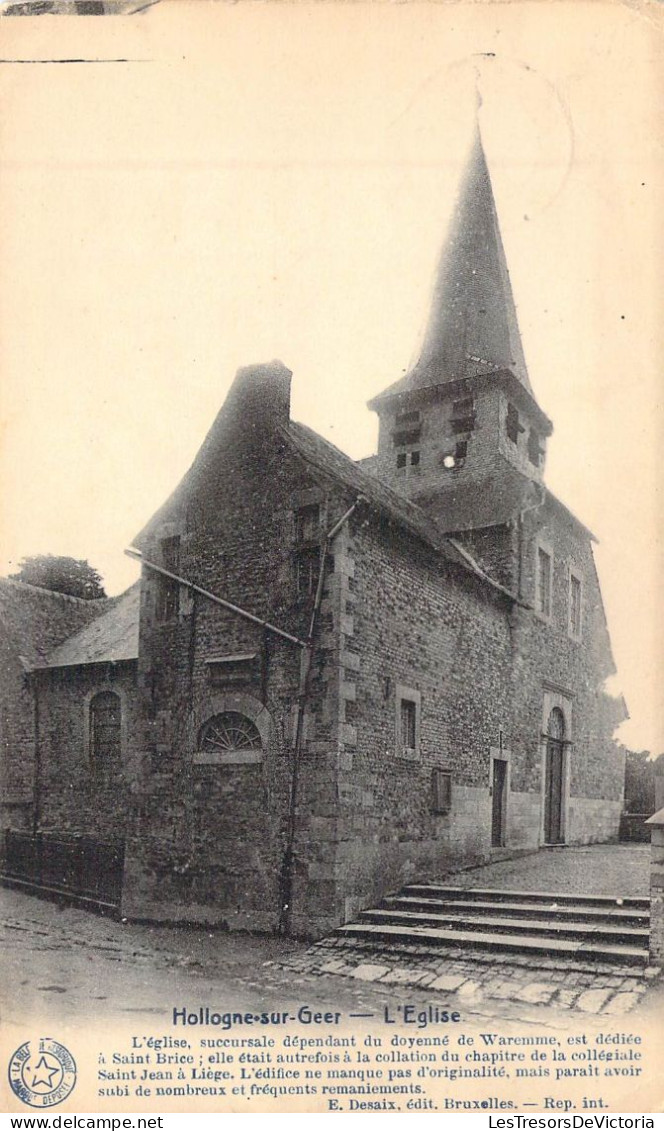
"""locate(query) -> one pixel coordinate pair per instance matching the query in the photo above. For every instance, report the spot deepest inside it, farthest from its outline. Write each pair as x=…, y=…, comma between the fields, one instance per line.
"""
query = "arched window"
x=556, y=727
x=229, y=731
x=105, y=730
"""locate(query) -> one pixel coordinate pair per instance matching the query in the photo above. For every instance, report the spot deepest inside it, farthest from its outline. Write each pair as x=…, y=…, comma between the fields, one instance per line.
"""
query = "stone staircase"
x=591, y=929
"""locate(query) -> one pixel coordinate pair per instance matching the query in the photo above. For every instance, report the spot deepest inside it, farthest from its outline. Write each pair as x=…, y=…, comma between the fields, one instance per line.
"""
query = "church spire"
x=472, y=327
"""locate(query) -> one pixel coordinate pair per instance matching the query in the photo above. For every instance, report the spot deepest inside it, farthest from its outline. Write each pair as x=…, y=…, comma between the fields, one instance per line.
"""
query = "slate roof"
x=473, y=323
x=110, y=638
x=396, y=508
x=34, y=621
x=492, y=501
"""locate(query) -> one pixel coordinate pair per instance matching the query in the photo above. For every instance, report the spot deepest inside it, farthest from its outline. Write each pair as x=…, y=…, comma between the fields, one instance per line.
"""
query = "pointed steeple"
x=472, y=326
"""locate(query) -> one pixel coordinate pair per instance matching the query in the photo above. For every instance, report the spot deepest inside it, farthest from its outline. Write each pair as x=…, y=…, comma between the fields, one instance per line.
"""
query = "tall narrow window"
x=534, y=448
x=307, y=567
x=575, y=606
x=408, y=701
x=168, y=591
x=512, y=424
x=307, y=523
x=544, y=578
x=441, y=790
x=408, y=725
x=105, y=730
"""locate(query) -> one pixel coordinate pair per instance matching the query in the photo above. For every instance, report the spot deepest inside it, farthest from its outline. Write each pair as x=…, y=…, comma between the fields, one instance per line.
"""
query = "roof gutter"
x=137, y=556
x=485, y=576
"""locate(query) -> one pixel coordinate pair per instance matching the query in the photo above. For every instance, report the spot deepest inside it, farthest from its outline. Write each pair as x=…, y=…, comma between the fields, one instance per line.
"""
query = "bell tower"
x=465, y=412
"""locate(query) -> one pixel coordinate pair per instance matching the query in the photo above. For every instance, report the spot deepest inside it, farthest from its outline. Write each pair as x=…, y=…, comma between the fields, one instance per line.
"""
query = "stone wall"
x=32, y=622
x=424, y=628
x=208, y=840
x=572, y=672
x=74, y=795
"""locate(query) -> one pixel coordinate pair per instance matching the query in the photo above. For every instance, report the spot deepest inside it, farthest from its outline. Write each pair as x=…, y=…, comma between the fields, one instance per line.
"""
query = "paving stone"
x=334, y=966
x=448, y=982
x=401, y=975
x=621, y=1003
x=652, y=972
x=369, y=972
x=469, y=989
x=591, y=1001
x=504, y=990
x=427, y=979
x=566, y=998
x=535, y=992
x=494, y=984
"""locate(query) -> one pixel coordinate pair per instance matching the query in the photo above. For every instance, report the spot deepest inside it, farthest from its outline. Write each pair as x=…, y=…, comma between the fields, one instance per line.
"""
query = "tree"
x=62, y=575
x=640, y=770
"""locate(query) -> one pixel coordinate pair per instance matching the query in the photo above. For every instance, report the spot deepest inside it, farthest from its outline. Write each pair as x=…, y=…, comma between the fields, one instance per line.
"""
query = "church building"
x=335, y=677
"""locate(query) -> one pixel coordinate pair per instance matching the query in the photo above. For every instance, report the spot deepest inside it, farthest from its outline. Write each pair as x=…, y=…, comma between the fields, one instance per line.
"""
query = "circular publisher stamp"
x=42, y=1073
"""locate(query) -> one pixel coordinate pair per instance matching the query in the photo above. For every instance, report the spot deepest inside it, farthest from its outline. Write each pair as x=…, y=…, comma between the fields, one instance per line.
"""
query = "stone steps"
x=555, y=911
x=572, y=927
x=506, y=925
x=536, y=898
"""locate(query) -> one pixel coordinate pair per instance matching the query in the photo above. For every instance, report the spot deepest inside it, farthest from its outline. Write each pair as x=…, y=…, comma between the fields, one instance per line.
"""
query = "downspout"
x=302, y=699
x=36, y=789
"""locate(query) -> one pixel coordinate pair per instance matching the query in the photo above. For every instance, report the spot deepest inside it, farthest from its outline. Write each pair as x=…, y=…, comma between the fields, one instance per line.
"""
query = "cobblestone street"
x=593, y=869
x=63, y=962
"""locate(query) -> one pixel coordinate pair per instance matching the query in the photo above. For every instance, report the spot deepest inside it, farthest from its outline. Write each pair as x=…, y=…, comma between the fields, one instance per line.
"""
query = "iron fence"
x=80, y=867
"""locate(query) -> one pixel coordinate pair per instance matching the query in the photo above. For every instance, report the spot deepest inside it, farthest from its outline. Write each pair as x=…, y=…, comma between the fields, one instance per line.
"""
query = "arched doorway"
x=554, y=829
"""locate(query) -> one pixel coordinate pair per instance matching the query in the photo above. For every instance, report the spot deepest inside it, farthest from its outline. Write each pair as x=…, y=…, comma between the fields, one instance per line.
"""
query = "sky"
x=275, y=180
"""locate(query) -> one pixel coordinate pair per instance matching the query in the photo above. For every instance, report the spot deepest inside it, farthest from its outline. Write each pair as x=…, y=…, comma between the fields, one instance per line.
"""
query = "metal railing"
x=80, y=867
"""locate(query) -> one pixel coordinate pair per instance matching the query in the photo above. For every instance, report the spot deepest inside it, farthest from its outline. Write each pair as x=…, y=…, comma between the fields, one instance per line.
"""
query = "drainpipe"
x=137, y=556
x=303, y=695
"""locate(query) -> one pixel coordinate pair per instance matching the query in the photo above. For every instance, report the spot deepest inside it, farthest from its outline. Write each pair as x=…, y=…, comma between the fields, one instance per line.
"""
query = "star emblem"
x=44, y=1072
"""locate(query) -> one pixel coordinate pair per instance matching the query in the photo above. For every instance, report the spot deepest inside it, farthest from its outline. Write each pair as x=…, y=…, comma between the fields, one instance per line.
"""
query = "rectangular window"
x=405, y=417
x=307, y=523
x=407, y=722
x=441, y=791
x=168, y=591
x=307, y=566
x=512, y=425
x=401, y=459
x=463, y=415
x=575, y=606
x=415, y=459
x=544, y=578
x=412, y=436
x=534, y=448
